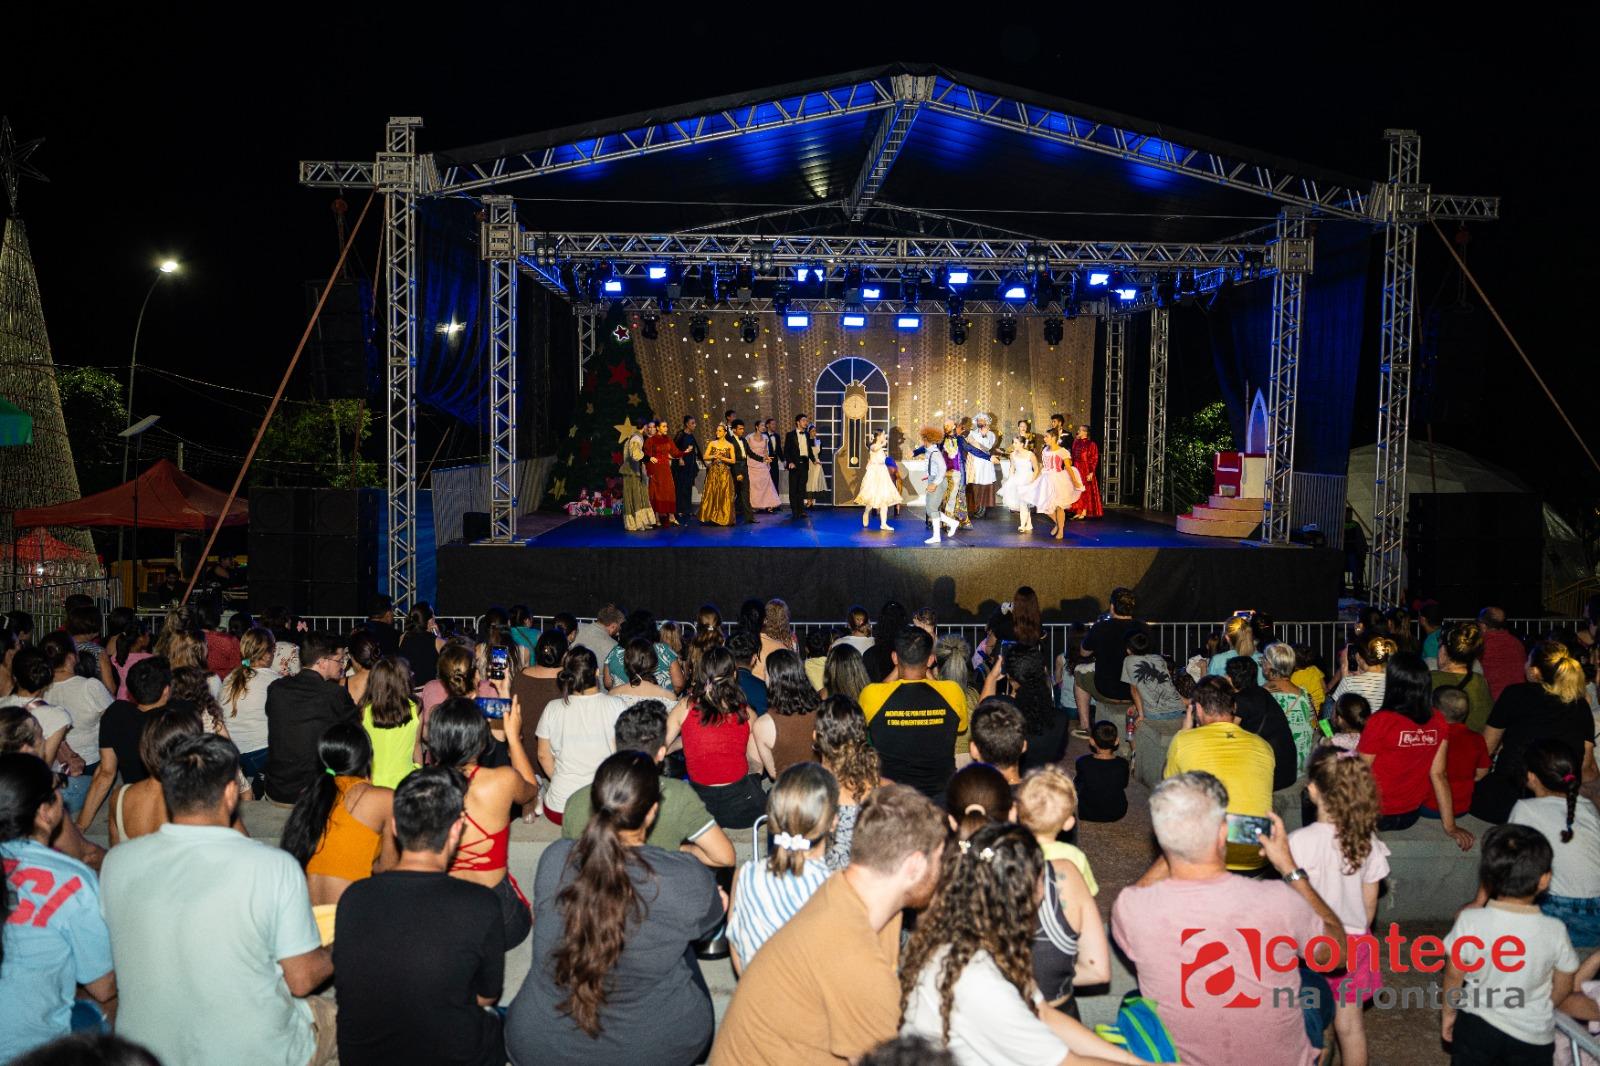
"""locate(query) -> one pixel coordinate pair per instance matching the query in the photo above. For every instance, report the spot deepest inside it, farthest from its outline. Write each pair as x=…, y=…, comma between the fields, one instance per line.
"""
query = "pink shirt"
x=1190, y=941
x=1316, y=848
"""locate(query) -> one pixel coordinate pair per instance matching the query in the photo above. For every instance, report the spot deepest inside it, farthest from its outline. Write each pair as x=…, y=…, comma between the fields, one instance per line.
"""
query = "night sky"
x=179, y=134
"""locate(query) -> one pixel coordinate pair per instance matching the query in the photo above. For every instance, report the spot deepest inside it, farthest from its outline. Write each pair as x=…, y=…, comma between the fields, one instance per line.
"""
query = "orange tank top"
x=348, y=847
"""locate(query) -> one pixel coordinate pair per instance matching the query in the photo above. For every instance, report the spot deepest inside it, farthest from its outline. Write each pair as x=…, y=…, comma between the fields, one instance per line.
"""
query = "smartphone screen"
x=1248, y=828
x=498, y=658
x=493, y=706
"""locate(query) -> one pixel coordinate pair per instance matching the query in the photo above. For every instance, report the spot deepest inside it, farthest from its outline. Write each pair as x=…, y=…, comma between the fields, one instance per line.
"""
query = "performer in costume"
x=878, y=491
x=686, y=467
x=816, y=480
x=637, y=514
x=1086, y=458
x=763, y=493
x=1060, y=486
x=744, y=514
x=955, y=482
x=936, y=485
x=980, y=472
x=660, y=453
x=1020, y=492
x=958, y=451
x=716, y=500
x=799, y=452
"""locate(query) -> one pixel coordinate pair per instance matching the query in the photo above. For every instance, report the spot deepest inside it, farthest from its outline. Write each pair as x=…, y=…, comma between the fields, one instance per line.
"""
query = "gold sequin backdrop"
x=930, y=379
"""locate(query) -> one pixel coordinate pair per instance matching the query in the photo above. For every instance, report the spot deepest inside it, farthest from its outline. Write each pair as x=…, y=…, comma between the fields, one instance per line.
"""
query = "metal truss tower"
x=1155, y=443
x=500, y=248
x=1111, y=439
x=1291, y=260
x=588, y=321
x=396, y=178
x=1405, y=203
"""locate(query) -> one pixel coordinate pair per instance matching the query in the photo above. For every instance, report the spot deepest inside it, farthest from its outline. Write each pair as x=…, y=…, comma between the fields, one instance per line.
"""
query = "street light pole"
x=168, y=266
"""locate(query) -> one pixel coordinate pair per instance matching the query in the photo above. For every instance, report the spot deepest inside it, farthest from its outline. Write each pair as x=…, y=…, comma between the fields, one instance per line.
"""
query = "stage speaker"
x=344, y=512
x=268, y=593
x=1469, y=550
x=336, y=560
x=475, y=526
x=275, y=510
x=342, y=340
x=348, y=598
x=317, y=551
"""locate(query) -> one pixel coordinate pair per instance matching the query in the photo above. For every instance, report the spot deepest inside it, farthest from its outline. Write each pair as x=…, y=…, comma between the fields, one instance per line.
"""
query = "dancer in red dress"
x=1086, y=460
x=659, y=452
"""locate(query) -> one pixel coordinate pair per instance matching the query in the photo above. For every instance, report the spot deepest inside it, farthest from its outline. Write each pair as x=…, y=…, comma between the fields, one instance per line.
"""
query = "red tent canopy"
x=168, y=499
x=39, y=546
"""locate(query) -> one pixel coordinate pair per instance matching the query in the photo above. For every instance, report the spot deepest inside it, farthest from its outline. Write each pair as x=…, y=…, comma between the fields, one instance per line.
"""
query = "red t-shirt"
x=715, y=755
x=1403, y=752
x=1504, y=660
x=1467, y=755
x=222, y=653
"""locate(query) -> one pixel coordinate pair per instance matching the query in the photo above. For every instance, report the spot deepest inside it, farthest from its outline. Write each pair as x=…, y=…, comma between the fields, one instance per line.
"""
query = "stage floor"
x=840, y=527
x=825, y=564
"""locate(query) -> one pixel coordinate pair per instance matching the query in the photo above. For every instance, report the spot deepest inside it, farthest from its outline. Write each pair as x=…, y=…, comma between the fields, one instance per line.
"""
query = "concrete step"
x=1223, y=514
x=1229, y=528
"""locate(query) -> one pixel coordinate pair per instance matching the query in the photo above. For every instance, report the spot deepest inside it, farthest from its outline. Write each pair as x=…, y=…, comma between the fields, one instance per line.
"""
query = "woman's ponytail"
x=1552, y=762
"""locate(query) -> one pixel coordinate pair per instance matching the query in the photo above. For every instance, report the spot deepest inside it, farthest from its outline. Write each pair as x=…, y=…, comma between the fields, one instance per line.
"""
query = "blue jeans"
x=87, y=1017
x=1580, y=916
x=77, y=790
x=252, y=763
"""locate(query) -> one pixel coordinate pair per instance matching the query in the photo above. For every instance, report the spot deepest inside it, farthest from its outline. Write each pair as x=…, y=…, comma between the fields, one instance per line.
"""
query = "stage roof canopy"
x=1005, y=158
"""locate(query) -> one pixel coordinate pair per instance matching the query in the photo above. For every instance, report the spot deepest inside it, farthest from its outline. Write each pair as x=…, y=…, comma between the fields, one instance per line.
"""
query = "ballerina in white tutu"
x=1021, y=489
x=1059, y=484
x=878, y=492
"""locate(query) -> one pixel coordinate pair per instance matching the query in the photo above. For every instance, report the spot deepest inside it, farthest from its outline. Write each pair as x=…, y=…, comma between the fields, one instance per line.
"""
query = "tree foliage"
x=1191, y=443
x=312, y=444
x=93, y=408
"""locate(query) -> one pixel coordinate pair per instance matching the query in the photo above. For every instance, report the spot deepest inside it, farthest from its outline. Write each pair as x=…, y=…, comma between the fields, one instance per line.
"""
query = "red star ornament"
x=585, y=448
x=616, y=457
x=621, y=333
x=620, y=374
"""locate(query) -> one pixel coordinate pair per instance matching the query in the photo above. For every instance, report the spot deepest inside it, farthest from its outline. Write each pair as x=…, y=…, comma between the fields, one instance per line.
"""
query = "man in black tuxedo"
x=685, y=469
x=797, y=459
x=743, y=512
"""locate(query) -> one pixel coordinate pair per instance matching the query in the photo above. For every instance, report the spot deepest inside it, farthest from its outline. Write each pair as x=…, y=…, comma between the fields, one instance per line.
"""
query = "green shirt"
x=392, y=749
x=1479, y=702
x=682, y=816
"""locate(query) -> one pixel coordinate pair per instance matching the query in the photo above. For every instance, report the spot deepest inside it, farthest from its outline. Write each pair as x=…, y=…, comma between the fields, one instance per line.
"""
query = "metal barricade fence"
x=46, y=601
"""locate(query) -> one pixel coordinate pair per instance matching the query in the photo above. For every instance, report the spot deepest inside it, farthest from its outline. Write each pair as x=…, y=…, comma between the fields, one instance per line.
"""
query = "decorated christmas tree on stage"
x=609, y=408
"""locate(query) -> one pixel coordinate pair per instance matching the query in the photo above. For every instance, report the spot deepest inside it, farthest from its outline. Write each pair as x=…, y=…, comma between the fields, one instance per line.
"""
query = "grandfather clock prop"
x=850, y=458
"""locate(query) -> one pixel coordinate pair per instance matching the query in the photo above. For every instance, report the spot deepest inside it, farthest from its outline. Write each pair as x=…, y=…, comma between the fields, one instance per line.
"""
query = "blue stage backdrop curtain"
x=452, y=366
x=1331, y=344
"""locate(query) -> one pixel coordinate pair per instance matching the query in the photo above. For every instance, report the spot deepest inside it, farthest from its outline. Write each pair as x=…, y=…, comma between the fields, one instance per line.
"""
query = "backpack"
x=1139, y=1030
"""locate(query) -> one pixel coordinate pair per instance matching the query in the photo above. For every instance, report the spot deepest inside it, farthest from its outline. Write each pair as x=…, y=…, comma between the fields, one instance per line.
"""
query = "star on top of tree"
x=14, y=163
x=621, y=333
x=625, y=428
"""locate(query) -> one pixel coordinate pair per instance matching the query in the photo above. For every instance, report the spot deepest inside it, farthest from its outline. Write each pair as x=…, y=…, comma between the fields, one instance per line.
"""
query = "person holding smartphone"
x=1212, y=740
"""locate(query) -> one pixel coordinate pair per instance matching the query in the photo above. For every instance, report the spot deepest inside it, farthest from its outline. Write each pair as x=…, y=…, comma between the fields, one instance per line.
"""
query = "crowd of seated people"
x=918, y=892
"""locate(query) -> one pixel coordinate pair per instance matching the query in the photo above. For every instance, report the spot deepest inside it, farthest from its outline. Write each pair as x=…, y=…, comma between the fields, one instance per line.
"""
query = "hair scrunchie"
x=791, y=842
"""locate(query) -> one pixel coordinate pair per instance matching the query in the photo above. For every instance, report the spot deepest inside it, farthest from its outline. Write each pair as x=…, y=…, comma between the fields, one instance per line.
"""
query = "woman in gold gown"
x=716, y=498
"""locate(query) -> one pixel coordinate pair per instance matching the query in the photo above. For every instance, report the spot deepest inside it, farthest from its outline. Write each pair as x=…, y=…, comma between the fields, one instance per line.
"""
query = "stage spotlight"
x=674, y=282
x=1034, y=261
x=1005, y=329
x=780, y=300
x=749, y=328
x=797, y=320
x=1166, y=292
x=871, y=292
x=1053, y=331
x=954, y=276
x=610, y=280
x=1014, y=288
x=852, y=285
x=1045, y=291
x=649, y=329
x=699, y=328
x=744, y=282
x=958, y=330
x=853, y=320
x=802, y=273
x=657, y=273
x=1127, y=294
x=908, y=322
x=1099, y=277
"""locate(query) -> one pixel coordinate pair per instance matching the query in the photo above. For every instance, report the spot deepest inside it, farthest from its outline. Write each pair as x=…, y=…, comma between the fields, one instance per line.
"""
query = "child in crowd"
x=1102, y=777
x=1506, y=1015
x=1309, y=676
x=1350, y=714
x=1345, y=862
x=767, y=890
x=1047, y=804
x=1071, y=662
x=1467, y=760
x=818, y=641
x=1569, y=822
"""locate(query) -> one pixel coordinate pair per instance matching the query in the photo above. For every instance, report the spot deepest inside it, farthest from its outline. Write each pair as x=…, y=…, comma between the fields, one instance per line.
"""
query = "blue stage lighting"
x=958, y=277
x=1127, y=294
x=908, y=322
x=613, y=285
x=1098, y=277
x=797, y=320
x=802, y=273
x=1016, y=292
x=853, y=321
x=658, y=273
x=871, y=292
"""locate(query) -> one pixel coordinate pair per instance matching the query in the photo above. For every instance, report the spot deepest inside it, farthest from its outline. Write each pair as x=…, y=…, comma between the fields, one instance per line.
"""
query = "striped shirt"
x=763, y=901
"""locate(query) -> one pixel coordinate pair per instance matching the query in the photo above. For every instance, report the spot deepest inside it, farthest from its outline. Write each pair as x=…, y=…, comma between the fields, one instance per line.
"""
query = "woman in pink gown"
x=763, y=493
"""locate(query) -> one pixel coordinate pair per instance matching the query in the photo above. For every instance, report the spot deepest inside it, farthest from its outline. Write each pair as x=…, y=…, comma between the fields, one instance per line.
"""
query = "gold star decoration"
x=572, y=432
x=559, y=489
x=625, y=428
x=588, y=409
x=634, y=399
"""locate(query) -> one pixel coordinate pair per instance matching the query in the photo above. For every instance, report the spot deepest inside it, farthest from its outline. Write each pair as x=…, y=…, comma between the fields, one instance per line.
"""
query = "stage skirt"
x=637, y=513
x=763, y=493
x=980, y=496
x=1020, y=494
x=1088, y=504
x=816, y=480
x=1058, y=489
x=716, y=498
x=878, y=488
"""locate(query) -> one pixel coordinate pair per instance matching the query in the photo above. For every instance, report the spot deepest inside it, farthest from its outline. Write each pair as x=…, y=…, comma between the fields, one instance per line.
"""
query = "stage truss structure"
x=1116, y=327
x=1291, y=261
x=403, y=177
x=1155, y=441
